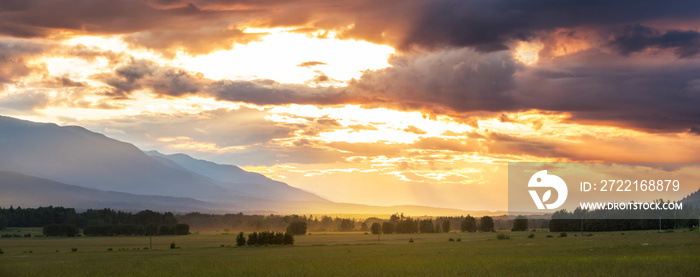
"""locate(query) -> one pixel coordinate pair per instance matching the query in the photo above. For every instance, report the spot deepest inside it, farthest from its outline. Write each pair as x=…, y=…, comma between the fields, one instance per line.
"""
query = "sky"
x=389, y=102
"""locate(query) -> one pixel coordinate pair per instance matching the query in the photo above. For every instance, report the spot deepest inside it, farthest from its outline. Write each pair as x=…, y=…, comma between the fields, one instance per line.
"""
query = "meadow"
x=640, y=253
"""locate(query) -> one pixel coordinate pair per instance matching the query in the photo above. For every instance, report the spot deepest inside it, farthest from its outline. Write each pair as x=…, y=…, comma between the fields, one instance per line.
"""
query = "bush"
x=172, y=245
x=562, y=235
x=459, y=239
x=549, y=236
x=502, y=236
x=74, y=249
x=1, y=251
x=410, y=240
x=451, y=239
x=531, y=236
x=108, y=249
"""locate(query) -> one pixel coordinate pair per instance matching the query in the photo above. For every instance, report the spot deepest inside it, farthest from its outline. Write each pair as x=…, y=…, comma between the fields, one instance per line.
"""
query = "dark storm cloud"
x=650, y=94
x=637, y=38
x=202, y=26
x=488, y=25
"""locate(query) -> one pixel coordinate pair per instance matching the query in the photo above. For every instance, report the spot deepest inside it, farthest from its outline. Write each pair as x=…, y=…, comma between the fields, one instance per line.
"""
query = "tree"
x=346, y=225
x=253, y=238
x=468, y=224
x=182, y=229
x=364, y=227
x=426, y=226
x=520, y=224
x=376, y=228
x=3, y=222
x=288, y=239
x=486, y=224
x=240, y=239
x=60, y=230
x=297, y=228
x=387, y=227
x=446, y=226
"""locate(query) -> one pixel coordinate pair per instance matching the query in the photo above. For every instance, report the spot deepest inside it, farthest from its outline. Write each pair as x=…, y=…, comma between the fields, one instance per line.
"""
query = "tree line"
x=265, y=238
x=60, y=221
x=593, y=221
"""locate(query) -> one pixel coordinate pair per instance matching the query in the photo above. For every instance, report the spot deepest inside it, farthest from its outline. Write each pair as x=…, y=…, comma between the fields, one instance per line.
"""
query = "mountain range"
x=45, y=164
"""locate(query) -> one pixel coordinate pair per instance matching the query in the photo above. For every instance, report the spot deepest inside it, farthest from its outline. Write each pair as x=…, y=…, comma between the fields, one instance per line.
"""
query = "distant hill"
x=235, y=178
x=692, y=199
x=26, y=191
x=45, y=164
x=76, y=156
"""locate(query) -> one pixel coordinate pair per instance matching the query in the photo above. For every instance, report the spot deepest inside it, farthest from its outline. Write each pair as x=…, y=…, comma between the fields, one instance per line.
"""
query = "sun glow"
x=281, y=55
x=527, y=51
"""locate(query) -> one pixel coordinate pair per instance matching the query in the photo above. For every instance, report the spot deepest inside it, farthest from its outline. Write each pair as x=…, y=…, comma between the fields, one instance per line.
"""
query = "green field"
x=646, y=253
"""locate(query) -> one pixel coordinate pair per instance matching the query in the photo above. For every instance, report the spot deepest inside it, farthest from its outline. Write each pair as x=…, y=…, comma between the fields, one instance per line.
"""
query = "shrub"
x=459, y=239
x=549, y=236
x=451, y=239
x=562, y=235
x=108, y=249
x=172, y=245
x=410, y=240
x=531, y=236
x=502, y=236
x=27, y=235
x=74, y=249
x=1, y=251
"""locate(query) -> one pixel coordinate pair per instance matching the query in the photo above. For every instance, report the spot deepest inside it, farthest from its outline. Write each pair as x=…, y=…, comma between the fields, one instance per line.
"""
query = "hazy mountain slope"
x=692, y=199
x=76, y=156
x=27, y=191
x=233, y=177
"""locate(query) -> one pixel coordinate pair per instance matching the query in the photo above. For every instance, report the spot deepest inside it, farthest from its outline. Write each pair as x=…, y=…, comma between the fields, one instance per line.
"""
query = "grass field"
x=646, y=253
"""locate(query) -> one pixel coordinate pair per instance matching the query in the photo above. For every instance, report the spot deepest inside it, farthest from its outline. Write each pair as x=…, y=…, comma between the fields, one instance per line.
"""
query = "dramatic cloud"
x=460, y=80
x=14, y=54
x=160, y=27
x=637, y=38
x=139, y=74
